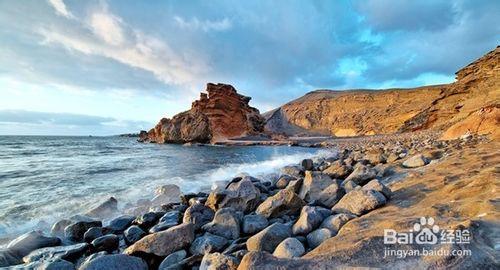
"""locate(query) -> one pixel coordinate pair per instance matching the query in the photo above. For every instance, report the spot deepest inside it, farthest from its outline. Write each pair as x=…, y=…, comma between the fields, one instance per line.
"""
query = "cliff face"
x=368, y=112
x=219, y=114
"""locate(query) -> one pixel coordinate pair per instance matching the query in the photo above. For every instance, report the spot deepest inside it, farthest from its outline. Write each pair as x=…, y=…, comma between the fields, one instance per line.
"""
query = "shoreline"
x=362, y=167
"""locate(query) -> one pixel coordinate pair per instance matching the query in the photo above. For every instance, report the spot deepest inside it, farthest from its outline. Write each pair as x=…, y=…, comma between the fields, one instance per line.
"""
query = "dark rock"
x=120, y=224
x=361, y=175
x=23, y=245
x=115, y=262
x=133, y=234
x=283, y=181
x=107, y=243
x=198, y=215
x=169, y=220
x=93, y=233
x=307, y=164
x=329, y=196
x=76, y=230
x=68, y=253
x=254, y=223
x=147, y=220
x=171, y=262
x=208, y=243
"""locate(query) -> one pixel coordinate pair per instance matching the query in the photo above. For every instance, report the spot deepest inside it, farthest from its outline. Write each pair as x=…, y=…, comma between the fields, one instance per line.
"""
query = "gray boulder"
x=107, y=243
x=335, y=222
x=269, y=238
x=338, y=170
x=361, y=174
x=219, y=261
x=315, y=238
x=133, y=234
x=165, y=242
x=254, y=223
x=226, y=223
x=169, y=220
x=93, y=233
x=309, y=220
x=376, y=185
x=294, y=171
x=198, y=215
x=171, y=261
x=415, y=161
x=314, y=184
x=285, y=202
x=289, y=248
x=329, y=196
x=68, y=253
x=240, y=195
x=23, y=245
x=115, y=262
x=359, y=202
x=208, y=243
x=76, y=230
x=120, y=224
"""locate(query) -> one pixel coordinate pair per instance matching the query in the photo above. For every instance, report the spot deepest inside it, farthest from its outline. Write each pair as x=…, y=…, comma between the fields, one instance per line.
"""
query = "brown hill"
x=369, y=112
x=216, y=116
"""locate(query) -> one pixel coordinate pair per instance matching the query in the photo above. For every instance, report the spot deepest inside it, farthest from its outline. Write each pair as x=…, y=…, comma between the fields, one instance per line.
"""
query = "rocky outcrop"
x=370, y=112
x=219, y=114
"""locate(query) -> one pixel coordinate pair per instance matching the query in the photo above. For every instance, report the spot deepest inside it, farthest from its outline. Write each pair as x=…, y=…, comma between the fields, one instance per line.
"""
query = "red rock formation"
x=219, y=115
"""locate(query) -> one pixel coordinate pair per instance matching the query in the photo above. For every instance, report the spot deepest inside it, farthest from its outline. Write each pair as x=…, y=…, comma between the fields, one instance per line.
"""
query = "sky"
x=104, y=67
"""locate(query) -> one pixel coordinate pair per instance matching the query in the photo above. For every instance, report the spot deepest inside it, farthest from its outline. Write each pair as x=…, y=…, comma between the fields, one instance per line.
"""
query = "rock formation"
x=219, y=114
x=369, y=112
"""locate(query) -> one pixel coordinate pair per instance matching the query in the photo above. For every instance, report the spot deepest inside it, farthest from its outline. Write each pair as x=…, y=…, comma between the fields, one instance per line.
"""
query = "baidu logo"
x=427, y=232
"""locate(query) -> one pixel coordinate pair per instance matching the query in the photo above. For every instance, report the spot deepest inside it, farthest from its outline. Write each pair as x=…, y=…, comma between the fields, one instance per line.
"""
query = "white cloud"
x=107, y=27
x=206, y=26
x=105, y=34
x=61, y=9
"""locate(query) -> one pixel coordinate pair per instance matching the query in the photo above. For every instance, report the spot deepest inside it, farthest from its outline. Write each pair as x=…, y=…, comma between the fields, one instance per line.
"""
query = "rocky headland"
x=430, y=163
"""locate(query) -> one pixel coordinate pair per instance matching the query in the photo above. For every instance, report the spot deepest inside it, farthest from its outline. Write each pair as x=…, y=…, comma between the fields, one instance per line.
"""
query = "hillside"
x=369, y=112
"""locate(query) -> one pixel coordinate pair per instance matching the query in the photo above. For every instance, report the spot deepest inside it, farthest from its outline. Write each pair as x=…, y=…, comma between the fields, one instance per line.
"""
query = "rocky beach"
x=433, y=169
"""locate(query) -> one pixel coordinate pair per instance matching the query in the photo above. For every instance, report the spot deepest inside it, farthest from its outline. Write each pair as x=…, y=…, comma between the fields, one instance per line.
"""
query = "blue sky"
x=112, y=66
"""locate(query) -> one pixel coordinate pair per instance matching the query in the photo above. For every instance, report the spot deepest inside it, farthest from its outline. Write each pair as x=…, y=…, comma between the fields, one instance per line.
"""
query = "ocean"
x=47, y=178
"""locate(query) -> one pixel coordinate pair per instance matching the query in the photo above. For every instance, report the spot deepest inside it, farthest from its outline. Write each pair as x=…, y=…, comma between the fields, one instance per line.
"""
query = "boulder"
x=315, y=238
x=133, y=234
x=23, y=245
x=285, y=202
x=307, y=164
x=165, y=242
x=106, y=209
x=58, y=227
x=283, y=181
x=254, y=223
x=338, y=170
x=314, y=184
x=93, y=233
x=208, y=243
x=294, y=171
x=115, y=262
x=167, y=194
x=335, y=222
x=375, y=157
x=329, y=196
x=198, y=215
x=376, y=185
x=107, y=243
x=295, y=185
x=76, y=230
x=171, y=261
x=242, y=195
x=359, y=202
x=226, y=223
x=349, y=186
x=309, y=220
x=147, y=220
x=361, y=174
x=120, y=224
x=68, y=253
x=269, y=238
x=52, y=264
x=218, y=261
x=289, y=248
x=415, y=161
x=169, y=220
